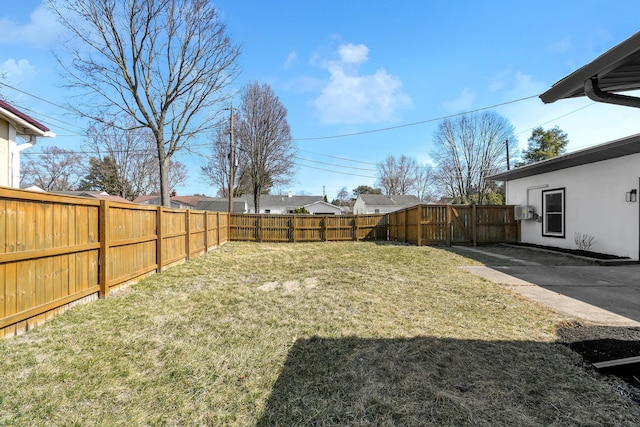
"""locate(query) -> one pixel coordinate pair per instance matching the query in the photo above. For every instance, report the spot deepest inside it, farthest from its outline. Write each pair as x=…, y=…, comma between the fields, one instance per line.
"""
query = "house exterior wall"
x=323, y=209
x=361, y=208
x=4, y=153
x=594, y=205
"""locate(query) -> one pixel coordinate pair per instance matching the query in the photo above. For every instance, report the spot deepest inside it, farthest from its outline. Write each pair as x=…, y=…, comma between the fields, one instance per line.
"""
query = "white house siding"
x=594, y=205
x=4, y=154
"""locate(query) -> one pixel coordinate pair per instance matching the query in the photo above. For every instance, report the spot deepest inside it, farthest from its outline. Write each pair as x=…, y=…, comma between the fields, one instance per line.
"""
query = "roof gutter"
x=593, y=91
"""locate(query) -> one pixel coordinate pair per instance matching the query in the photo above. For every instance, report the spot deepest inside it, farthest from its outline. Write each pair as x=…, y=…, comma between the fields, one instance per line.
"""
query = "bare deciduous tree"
x=424, y=185
x=54, y=169
x=165, y=63
x=397, y=176
x=470, y=148
x=132, y=152
x=216, y=170
x=266, y=150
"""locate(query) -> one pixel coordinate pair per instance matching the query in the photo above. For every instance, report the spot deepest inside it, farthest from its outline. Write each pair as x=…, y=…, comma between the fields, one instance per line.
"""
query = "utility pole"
x=232, y=160
x=506, y=142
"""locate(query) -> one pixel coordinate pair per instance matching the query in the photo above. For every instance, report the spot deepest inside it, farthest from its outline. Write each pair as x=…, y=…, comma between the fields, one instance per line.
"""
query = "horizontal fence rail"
x=57, y=251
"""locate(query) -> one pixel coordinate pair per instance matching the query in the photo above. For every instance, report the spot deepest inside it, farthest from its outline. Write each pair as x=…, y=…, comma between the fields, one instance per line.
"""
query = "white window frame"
x=546, y=214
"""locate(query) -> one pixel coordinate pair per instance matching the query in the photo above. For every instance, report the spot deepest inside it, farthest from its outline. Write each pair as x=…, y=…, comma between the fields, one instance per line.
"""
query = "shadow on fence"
x=57, y=251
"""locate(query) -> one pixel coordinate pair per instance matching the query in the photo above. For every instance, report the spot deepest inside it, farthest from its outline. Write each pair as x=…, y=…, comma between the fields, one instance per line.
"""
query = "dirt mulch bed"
x=599, y=344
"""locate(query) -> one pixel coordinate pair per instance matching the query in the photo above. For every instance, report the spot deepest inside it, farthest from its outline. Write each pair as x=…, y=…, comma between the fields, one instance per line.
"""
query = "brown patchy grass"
x=306, y=334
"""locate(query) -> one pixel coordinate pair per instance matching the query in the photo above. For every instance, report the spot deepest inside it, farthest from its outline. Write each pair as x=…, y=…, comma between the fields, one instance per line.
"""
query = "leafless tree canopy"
x=266, y=150
x=55, y=169
x=425, y=184
x=216, y=170
x=165, y=63
x=132, y=151
x=398, y=176
x=470, y=148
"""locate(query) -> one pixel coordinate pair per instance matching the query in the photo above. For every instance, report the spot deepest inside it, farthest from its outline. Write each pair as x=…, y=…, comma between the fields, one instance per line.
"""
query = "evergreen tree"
x=103, y=175
x=544, y=144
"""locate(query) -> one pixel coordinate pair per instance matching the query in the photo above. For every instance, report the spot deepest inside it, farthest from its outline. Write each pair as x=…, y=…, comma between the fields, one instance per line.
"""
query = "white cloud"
x=463, y=102
x=353, y=54
x=353, y=98
x=40, y=31
x=18, y=72
x=563, y=45
x=291, y=59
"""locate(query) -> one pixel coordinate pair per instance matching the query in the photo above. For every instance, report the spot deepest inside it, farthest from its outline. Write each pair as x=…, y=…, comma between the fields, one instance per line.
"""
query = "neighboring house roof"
x=614, y=71
x=187, y=200
x=175, y=200
x=93, y=195
x=611, y=150
x=271, y=201
x=322, y=205
x=220, y=204
x=24, y=124
x=285, y=200
x=145, y=198
x=385, y=200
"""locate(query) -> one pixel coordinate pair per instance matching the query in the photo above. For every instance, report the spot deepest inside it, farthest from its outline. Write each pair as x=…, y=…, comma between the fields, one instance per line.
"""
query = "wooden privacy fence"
x=418, y=225
x=56, y=251
x=453, y=224
x=307, y=228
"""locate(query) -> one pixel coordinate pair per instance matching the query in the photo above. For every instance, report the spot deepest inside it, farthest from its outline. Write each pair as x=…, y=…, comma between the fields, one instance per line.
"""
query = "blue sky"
x=357, y=68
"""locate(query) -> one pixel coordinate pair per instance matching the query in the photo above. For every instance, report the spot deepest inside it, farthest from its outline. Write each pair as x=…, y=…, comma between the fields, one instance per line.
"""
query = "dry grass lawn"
x=306, y=334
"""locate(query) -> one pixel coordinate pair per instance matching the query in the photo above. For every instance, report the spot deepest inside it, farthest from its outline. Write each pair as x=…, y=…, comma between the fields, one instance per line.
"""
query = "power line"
x=415, y=123
x=339, y=158
x=337, y=165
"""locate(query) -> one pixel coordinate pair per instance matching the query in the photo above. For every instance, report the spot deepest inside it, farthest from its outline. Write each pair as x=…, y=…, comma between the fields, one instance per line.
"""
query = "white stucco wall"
x=594, y=204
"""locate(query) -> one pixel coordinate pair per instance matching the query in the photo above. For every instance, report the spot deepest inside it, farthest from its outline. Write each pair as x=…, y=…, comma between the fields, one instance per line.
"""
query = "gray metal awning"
x=610, y=150
x=617, y=70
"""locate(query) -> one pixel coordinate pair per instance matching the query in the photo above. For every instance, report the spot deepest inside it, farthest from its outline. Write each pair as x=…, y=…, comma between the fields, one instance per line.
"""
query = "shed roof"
x=616, y=70
x=610, y=150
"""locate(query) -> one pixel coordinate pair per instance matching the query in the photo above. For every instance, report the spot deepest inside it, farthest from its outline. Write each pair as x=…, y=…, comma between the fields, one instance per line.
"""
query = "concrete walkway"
x=603, y=295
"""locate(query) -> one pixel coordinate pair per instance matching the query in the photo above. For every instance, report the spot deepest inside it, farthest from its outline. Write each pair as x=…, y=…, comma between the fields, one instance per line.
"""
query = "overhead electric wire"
x=415, y=123
x=337, y=165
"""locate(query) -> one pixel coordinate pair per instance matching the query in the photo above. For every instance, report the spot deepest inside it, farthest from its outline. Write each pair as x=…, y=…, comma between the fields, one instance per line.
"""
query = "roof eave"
x=574, y=82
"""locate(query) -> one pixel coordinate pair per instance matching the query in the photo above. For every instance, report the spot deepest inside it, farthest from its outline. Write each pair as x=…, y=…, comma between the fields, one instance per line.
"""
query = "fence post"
x=206, y=231
x=103, y=232
x=449, y=225
x=187, y=238
x=293, y=228
x=218, y=226
x=355, y=228
x=258, y=230
x=474, y=224
x=159, y=238
x=406, y=225
x=419, y=225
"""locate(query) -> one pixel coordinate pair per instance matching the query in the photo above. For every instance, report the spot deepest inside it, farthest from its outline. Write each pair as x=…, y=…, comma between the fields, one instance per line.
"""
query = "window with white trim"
x=553, y=213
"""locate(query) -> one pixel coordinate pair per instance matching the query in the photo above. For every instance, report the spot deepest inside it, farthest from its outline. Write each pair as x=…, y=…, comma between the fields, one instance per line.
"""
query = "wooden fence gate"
x=454, y=224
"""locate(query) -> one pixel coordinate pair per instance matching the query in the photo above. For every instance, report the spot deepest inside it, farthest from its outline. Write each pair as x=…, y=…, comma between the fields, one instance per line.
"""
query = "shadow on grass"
x=433, y=381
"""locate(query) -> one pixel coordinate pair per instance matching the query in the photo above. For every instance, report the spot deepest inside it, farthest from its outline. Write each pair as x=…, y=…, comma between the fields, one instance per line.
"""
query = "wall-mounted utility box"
x=523, y=212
